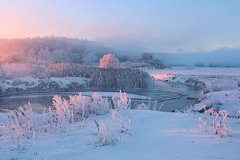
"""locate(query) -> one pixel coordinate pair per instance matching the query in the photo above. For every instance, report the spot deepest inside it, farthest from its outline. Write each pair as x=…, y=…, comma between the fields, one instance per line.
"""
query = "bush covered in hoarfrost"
x=120, y=125
x=106, y=133
x=121, y=102
x=218, y=123
x=24, y=124
x=99, y=105
x=109, y=61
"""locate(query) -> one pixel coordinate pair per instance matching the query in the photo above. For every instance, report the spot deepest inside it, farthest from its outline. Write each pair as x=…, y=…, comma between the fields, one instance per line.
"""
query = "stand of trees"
x=51, y=50
x=146, y=60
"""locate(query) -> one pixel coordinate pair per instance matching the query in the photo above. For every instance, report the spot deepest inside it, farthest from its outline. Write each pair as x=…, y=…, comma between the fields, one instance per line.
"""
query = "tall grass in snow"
x=106, y=133
x=218, y=123
x=24, y=124
x=101, y=78
x=121, y=102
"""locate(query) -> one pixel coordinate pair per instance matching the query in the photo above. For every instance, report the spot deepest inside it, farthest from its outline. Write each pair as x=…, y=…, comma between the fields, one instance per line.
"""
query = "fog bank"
x=222, y=57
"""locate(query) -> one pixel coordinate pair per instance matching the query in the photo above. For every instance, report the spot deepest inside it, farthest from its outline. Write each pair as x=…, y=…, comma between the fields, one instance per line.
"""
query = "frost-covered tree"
x=123, y=58
x=51, y=50
x=157, y=63
x=149, y=59
x=109, y=61
x=146, y=57
x=31, y=56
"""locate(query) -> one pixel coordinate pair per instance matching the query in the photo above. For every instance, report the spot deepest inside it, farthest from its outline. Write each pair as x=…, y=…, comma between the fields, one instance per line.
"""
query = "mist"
x=67, y=50
x=222, y=57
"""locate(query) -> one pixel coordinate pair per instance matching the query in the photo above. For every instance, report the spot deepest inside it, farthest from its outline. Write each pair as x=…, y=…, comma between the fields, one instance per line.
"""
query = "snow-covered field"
x=221, y=83
x=229, y=101
x=216, y=78
x=199, y=70
x=154, y=135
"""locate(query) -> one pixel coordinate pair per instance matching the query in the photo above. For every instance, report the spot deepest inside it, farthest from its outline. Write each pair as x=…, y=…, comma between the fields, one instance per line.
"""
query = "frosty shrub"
x=80, y=106
x=99, y=105
x=24, y=124
x=119, y=124
x=189, y=110
x=109, y=61
x=218, y=122
x=61, y=118
x=121, y=102
x=106, y=135
x=143, y=106
x=199, y=97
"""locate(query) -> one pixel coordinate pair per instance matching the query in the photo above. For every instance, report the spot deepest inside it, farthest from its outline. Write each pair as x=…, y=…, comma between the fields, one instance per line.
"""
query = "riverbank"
x=221, y=86
x=154, y=134
x=29, y=84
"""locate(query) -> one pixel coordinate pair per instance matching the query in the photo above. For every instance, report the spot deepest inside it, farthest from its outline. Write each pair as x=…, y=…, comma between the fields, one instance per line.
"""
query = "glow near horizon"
x=154, y=26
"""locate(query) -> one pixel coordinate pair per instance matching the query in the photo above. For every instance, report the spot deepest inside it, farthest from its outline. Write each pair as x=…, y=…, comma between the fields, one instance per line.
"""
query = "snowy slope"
x=155, y=135
x=222, y=81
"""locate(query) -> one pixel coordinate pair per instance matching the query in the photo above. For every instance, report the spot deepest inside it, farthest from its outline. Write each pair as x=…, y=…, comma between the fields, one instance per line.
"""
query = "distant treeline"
x=51, y=50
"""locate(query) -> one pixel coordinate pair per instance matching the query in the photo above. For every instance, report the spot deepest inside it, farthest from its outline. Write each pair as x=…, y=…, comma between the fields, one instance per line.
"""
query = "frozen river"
x=173, y=95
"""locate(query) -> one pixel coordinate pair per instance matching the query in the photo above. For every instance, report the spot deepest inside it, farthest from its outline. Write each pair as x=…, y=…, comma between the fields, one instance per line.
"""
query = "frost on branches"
x=23, y=124
x=121, y=102
x=218, y=121
x=119, y=124
x=109, y=61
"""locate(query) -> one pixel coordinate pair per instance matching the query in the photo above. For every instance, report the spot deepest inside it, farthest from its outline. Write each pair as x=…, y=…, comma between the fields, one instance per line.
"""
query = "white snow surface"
x=230, y=101
x=155, y=135
x=217, y=78
x=198, y=70
x=223, y=81
x=29, y=82
x=206, y=74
